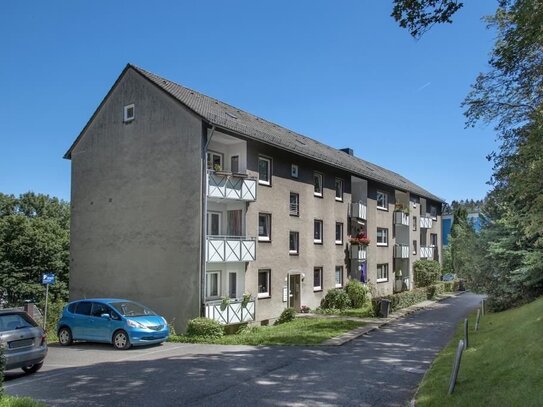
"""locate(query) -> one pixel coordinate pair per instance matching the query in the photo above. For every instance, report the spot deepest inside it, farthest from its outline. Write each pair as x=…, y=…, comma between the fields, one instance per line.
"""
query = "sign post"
x=47, y=279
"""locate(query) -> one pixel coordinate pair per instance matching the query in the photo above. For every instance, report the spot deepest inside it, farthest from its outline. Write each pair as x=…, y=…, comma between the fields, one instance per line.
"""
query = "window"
x=339, y=189
x=294, y=171
x=317, y=235
x=264, y=283
x=339, y=276
x=382, y=200
x=213, y=284
x=294, y=208
x=433, y=239
x=382, y=237
x=294, y=241
x=232, y=282
x=264, y=226
x=382, y=272
x=234, y=163
x=83, y=308
x=414, y=223
x=214, y=161
x=414, y=247
x=317, y=279
x=264, y=171
x=433, y=212
x=213, y=223
x=98, y=309
x=339, y=233
x=317, y=179
x=129, y=113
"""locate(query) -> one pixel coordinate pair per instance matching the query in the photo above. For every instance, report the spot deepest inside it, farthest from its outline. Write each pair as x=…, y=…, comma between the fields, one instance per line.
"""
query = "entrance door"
x=295, y=292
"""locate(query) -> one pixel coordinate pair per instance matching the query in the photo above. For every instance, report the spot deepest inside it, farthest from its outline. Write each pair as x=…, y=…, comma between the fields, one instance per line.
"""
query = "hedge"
x=402, y=300
x=426, y=272
x=204, y=327
x=435, y=290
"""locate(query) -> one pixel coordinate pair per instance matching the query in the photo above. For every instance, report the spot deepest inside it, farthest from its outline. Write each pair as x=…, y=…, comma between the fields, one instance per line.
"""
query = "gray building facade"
x=195, y=207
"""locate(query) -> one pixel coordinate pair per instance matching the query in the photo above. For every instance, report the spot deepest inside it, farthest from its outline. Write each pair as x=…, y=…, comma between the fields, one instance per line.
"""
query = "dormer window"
x=129, y=113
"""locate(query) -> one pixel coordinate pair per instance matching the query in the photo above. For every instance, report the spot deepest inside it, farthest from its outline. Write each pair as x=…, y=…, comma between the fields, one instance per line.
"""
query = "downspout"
x=204, y=221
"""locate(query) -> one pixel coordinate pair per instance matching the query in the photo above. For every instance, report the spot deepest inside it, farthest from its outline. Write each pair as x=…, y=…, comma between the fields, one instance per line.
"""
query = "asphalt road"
x=382, y=368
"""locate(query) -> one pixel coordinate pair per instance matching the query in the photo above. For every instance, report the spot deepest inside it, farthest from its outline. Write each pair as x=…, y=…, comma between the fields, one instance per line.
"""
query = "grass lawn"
x=364, y=312
x=8, y=401
x=503, y=365
x=301, y=331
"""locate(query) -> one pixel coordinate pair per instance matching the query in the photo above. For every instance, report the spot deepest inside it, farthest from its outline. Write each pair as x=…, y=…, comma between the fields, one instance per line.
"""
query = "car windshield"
x=131, y=309
x=11, y=322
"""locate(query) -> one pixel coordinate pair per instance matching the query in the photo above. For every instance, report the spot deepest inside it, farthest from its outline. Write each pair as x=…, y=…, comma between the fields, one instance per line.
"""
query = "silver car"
x=23, y=341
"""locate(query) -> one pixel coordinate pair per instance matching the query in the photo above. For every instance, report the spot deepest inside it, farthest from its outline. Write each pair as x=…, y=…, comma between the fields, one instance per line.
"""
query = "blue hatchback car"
x=123, y=323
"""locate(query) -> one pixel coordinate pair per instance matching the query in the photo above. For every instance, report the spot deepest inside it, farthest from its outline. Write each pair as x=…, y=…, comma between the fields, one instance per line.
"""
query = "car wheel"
x=33, y=368
x=65, y=336
x=121, y=340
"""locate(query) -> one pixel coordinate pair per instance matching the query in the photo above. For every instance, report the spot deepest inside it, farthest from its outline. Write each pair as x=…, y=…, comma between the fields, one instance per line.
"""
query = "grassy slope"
x=301, y=331
x=503, y=365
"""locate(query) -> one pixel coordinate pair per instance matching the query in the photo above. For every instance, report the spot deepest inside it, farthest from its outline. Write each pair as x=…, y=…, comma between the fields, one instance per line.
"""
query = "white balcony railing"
x=230, y=249
x=359, y=210
x=358, y=252
x=426, y=223
x=401, y=251
x=231, y=186
x=401, y=218
x=426, y=252
x=233, y=313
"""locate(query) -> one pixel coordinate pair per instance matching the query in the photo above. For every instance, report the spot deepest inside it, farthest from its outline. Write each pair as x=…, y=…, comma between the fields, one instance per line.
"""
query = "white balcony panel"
x=401, y=218
x=233, y=313
x=230, y=249
x=426, y=223
x=401, y=251
x=426, y=252
x=359, y=210
x=231, y=186
x=358, y=252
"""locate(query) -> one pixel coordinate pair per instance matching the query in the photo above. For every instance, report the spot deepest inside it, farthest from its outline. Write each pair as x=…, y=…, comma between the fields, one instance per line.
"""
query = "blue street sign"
x=48, y=278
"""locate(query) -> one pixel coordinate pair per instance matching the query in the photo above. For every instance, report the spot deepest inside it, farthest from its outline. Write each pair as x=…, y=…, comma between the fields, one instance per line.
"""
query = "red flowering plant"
x=360, y=239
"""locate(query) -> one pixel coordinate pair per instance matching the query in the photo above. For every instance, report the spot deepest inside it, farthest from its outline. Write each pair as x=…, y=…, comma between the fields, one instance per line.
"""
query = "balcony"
x=401, y=251
x=401, y=218
x=230, y=249
x=426, y=223
x=357, y=252
x=426, y=252
x=231, y=186
x=233, y=313
x=359, y=210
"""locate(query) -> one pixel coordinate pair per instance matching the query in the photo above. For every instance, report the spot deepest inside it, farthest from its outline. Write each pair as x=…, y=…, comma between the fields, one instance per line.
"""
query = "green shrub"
x=327, y=311
x=435, y=290
x=287, y=315
x=336, y=298
x=402, y=300
x=204, y=327
x=426, y=272
x=451, y=286
x=358, y=293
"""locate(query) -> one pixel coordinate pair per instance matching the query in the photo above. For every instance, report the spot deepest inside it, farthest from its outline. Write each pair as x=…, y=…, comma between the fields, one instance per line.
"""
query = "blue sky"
x=340, y=72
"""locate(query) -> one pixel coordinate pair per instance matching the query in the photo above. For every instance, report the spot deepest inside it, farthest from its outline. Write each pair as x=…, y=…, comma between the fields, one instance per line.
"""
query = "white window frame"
x=339, y=272
x=269, y=165
x=294, y=171
x=321, y=183
x=433, y=212
x=385, y=199
x=340, y=241
x=230, y=274
x=126, y=117
x=385, y=243
x=210, y=162
x=266, y=294
x=297, y=242
x=383, y=272
x=265, y=238
x=210, y=215
x=297, y=211
x=431, y=240
x=340, y=181
x=317, y=287
x=315, y=222
x=414, y=247
x=217, y=275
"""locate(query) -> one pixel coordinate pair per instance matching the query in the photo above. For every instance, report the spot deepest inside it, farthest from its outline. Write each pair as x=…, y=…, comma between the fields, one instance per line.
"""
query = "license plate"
x=21, y=344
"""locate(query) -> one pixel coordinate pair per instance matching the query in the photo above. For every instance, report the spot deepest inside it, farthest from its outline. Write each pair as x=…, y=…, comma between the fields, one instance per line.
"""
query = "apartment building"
x=195, y=207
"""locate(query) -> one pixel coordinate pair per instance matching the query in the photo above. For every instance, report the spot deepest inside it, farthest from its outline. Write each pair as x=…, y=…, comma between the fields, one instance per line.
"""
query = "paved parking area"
x=381, y=368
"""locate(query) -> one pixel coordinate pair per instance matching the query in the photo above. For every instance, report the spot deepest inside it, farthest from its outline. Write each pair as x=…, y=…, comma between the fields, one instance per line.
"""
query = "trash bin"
x=384, y=308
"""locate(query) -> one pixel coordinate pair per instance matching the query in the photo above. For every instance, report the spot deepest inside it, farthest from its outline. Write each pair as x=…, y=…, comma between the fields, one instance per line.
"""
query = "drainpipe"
x=204, y=222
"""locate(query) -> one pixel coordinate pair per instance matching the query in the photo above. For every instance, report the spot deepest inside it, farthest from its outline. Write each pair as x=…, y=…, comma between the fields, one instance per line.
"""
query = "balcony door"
x=213, y=223
x=234, y=222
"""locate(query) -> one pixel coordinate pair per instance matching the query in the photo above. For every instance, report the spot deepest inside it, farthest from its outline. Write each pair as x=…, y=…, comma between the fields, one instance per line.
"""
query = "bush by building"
x=336, y=298
x=204, y=327
x=426, y=272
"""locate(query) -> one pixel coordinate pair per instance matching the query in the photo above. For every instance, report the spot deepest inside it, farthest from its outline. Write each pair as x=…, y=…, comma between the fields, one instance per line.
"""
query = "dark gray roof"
x=236, y=120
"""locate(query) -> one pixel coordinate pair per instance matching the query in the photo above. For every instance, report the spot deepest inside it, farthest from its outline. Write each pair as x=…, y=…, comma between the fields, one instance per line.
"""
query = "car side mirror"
x=107, y=316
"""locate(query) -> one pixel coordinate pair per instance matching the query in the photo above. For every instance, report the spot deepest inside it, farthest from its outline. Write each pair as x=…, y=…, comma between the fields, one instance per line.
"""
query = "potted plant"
x=245, y=300
x=224, y=303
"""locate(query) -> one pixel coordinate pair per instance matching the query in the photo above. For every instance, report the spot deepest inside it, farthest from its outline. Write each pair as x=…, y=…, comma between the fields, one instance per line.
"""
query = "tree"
x=34, y=239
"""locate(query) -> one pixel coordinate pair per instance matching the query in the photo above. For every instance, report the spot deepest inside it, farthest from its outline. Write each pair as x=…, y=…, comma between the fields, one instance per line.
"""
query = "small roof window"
x=129, y=113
